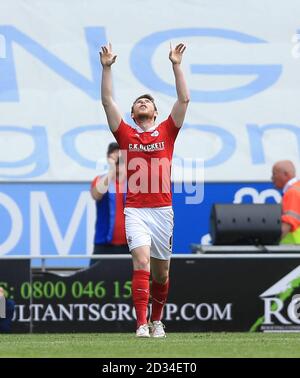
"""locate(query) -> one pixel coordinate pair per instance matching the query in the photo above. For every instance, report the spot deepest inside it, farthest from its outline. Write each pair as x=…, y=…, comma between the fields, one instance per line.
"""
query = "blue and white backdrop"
x=242, y=65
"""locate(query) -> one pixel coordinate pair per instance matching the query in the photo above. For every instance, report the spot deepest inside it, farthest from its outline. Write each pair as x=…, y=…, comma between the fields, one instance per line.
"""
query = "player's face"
x=144, y=108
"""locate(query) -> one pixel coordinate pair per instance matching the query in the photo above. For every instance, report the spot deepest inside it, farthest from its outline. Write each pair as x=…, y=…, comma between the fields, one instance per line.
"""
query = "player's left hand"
x=107, y=57
x=175, y=55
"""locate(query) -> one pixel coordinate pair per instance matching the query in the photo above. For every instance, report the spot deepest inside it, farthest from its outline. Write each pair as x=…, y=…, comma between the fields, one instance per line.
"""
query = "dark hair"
x=148, y=96
x=113, y=146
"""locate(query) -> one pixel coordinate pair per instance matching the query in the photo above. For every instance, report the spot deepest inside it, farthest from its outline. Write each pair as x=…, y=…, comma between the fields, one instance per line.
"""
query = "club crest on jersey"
x=155, y=133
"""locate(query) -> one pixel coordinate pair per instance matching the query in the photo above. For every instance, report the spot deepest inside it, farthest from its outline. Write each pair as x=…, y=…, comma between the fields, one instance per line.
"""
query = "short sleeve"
x=172, y=129
x=121, y=133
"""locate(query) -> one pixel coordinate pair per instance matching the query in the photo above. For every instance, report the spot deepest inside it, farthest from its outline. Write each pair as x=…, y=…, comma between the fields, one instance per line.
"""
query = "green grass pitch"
x=185, y=345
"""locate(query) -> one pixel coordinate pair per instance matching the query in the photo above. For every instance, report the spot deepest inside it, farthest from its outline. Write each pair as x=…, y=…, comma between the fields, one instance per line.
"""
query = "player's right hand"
x=107, y=58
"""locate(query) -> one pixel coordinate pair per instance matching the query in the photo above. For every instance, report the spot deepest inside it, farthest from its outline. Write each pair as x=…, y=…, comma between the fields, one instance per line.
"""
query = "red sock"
x=159, y=297
x=140, y=295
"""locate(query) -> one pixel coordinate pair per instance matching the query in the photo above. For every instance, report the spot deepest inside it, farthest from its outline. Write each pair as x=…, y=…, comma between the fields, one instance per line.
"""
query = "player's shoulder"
x=126, y=126
x=163, y=124
x=167, y=122
x=123, y=129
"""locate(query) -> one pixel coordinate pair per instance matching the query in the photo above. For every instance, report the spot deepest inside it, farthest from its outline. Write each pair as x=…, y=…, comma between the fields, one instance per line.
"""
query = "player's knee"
x=162, y=278
x=141, y=263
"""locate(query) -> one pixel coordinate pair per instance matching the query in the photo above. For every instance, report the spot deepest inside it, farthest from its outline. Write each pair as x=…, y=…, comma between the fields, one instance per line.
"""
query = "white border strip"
x=175, y=256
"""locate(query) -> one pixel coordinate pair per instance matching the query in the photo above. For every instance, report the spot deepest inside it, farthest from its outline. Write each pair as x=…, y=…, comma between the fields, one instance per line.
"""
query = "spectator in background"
x=284, y=178
x=9, y=307
x=109, y=193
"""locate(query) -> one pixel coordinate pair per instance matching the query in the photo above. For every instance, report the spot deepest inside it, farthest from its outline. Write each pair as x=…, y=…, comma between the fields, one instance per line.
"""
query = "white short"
x=150, y=226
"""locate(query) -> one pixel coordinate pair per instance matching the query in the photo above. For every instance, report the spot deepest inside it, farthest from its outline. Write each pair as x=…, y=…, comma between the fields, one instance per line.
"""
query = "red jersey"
x=148, y=158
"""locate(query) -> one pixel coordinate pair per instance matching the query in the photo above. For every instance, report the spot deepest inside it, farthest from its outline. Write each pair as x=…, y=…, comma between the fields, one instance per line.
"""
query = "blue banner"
x=59, y=218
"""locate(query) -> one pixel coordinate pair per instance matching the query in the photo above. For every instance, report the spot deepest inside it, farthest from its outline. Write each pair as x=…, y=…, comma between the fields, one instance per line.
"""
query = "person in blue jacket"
x=109, y=192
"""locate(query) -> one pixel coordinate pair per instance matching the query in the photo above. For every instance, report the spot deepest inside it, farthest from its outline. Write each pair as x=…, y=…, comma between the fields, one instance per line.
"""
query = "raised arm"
x=183, y=97
x=113, y=115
